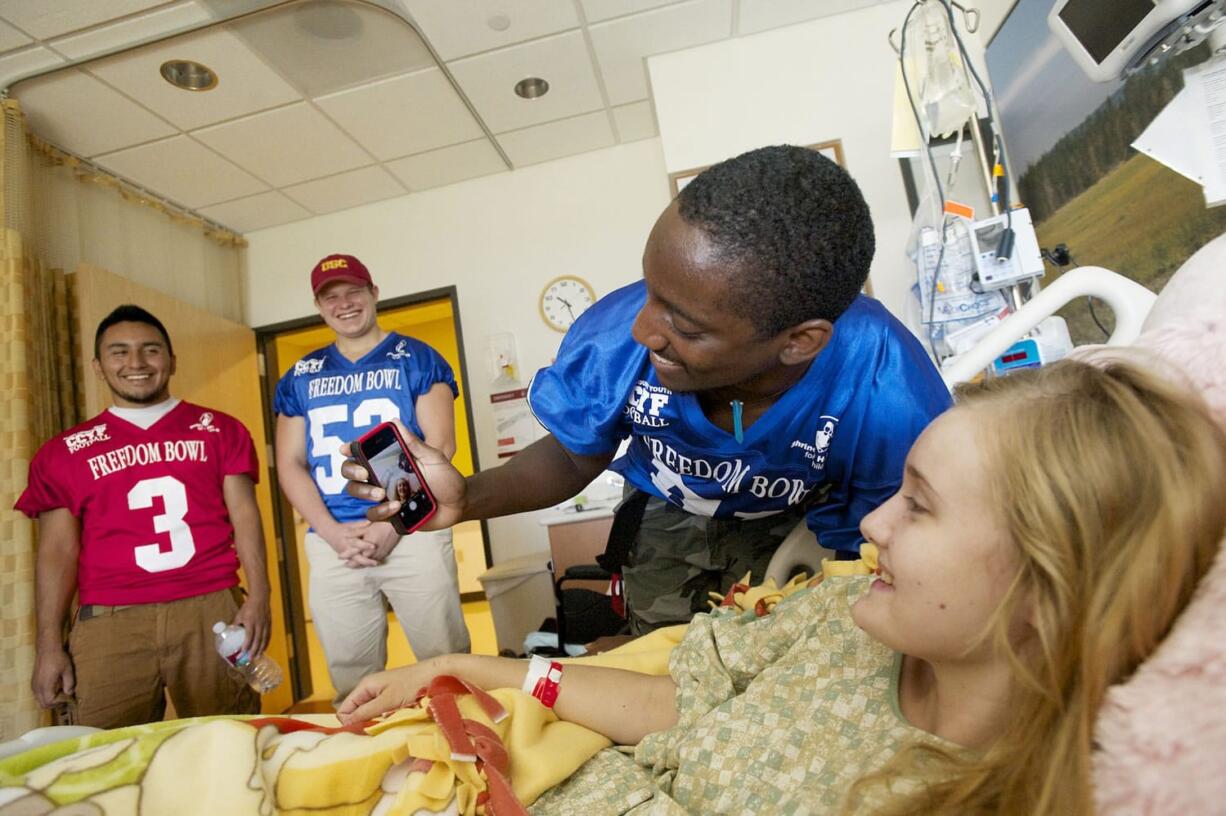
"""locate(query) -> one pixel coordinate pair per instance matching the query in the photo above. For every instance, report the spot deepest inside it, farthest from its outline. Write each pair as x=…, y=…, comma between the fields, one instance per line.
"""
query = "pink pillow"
x=1162, y=734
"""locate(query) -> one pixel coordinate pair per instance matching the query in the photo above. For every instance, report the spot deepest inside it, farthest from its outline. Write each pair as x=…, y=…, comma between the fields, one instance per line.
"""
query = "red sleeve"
x=238, y=451
x=47, y=488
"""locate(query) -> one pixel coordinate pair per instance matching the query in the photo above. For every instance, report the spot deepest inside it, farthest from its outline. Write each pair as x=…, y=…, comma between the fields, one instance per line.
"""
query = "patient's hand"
x=387, y=691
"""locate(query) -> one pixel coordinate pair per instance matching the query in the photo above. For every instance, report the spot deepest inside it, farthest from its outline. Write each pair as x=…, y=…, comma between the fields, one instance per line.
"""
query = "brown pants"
x=126, y=659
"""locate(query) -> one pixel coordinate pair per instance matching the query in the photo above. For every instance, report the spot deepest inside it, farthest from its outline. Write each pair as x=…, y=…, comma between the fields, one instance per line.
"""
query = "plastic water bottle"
x=261, y=673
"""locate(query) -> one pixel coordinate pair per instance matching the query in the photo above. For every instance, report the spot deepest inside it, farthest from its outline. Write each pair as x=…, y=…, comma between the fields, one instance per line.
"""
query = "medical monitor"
x=1108, y=37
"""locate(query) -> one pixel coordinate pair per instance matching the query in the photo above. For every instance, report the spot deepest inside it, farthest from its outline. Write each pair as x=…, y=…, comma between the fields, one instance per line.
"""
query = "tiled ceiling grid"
x=324, y=105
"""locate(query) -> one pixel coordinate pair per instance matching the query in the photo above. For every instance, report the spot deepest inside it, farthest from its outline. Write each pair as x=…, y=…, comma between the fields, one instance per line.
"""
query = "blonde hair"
x=1109, y=482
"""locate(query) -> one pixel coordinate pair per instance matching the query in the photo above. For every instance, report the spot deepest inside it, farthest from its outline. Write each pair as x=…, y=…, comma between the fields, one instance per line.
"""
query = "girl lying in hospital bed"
x=1048, y=532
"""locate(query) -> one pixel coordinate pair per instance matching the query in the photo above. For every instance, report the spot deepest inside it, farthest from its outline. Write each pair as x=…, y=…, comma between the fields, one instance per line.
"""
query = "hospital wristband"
x=542, y=680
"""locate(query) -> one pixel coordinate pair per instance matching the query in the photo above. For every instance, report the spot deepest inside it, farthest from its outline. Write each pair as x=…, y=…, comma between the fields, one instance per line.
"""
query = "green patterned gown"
x=778, y=715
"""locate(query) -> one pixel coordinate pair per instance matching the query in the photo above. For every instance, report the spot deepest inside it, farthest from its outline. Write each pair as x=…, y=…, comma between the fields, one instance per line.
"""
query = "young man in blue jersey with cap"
x=337, y=393
x=754, y=382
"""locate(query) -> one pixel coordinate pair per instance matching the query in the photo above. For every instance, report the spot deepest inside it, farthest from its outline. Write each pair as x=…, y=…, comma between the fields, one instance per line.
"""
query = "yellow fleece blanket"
x=307, y=766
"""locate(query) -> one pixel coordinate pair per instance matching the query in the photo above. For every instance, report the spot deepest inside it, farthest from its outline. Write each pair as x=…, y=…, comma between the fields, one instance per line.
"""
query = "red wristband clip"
x=542, y=681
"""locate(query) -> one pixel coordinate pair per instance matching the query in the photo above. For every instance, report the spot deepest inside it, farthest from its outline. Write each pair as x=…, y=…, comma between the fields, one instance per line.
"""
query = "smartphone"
x=389, y=465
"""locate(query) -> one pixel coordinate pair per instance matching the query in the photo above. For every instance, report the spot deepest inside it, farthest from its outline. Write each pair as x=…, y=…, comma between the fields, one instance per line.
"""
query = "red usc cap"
x=339, y=267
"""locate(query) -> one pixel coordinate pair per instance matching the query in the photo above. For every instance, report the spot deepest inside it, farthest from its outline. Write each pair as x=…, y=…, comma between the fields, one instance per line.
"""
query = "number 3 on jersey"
x=150, y=557
x=368, y=412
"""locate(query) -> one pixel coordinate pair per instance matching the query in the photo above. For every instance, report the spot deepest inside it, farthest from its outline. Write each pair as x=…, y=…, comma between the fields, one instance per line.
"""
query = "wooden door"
x=216, y=367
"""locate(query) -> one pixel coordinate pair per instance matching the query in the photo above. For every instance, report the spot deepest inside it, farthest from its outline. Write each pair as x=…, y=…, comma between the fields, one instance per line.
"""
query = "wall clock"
x=563, y=299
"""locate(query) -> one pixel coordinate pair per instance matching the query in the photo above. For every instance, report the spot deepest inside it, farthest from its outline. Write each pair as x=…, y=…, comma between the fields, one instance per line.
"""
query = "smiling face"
x=135, y=364
x=348, y=308
x=943, y=546
x=696, y=342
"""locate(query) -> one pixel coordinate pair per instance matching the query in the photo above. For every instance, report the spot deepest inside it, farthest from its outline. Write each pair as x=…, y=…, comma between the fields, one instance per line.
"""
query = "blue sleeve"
x=581, y=398
x=429, y=368
x=285, y=398
x=904, y=395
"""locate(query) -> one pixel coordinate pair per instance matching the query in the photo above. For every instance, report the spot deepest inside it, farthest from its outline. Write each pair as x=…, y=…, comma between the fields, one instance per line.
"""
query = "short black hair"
x=129, y=313
x=795, y=224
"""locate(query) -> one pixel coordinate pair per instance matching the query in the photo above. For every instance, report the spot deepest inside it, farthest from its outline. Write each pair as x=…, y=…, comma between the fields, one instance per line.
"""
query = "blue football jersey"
x=834, y=442
x=341, y=400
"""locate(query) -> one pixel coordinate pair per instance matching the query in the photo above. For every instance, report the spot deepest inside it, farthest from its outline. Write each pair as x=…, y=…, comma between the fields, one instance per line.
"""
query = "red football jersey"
x=154, y=525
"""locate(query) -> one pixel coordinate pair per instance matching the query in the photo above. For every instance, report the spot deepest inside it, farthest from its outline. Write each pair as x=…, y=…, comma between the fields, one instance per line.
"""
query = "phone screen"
x=392, y=467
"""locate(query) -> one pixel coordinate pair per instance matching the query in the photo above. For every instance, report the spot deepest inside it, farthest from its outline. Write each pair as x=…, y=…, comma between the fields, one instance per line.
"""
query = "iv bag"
x=935, y=72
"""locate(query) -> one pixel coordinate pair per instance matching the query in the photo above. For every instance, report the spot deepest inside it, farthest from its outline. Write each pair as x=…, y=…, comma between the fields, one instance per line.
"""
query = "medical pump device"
x=261, y=673
x=971, y=272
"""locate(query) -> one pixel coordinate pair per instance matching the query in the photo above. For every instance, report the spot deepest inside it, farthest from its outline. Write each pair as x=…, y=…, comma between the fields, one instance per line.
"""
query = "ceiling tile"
x=245, y=84
x=622, y=45
x=285, y=146
x=345, y=190
x=563, y=61
x=184, y=171
x=80, y=114
x=408, y=114
x=26, y=62
x=11, y=38
x=256, y=212
x=557, y=139
x=123, y=33
x=760, y=15
x=45, y=19
x=449, y=165
x=329, y=46
x=635, y=121
x=597, y=10
x=458, y=28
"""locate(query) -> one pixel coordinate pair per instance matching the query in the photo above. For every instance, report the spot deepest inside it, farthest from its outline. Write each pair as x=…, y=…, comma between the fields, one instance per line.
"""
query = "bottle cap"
x=219, y=627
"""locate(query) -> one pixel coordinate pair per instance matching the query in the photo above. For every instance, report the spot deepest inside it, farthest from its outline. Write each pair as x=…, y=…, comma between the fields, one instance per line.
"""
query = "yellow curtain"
x=38, y=401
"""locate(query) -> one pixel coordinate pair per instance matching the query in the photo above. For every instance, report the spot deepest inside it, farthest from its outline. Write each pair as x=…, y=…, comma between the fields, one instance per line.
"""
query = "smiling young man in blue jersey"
x=338, y=393
x=755, y=383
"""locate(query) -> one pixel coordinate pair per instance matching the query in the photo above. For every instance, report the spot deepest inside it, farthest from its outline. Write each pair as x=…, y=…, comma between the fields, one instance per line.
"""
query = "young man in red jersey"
x=146, y=511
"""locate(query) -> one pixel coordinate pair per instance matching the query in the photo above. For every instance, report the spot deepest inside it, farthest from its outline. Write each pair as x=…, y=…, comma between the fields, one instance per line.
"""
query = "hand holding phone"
x=388, y=464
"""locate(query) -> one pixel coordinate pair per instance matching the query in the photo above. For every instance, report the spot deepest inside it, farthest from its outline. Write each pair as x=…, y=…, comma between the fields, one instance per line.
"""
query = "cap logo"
x=335, y=263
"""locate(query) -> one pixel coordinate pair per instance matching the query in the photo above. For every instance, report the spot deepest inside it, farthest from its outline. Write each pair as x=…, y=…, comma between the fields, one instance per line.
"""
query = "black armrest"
x=585, y=572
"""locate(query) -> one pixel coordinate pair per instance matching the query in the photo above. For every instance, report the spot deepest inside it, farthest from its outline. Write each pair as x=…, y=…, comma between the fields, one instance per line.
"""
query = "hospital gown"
x=778, y=715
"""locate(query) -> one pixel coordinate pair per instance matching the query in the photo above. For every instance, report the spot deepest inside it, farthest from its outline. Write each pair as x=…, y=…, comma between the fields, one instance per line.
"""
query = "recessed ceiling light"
x=531, y=88
x=188, y=75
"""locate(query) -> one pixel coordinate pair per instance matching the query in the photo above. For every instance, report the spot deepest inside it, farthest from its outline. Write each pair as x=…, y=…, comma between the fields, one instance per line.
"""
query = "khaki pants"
x=418, y=578
x=127, y=658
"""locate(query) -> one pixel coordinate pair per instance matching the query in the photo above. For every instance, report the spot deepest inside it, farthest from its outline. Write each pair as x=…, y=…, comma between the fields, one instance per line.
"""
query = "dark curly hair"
x=795, y=225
